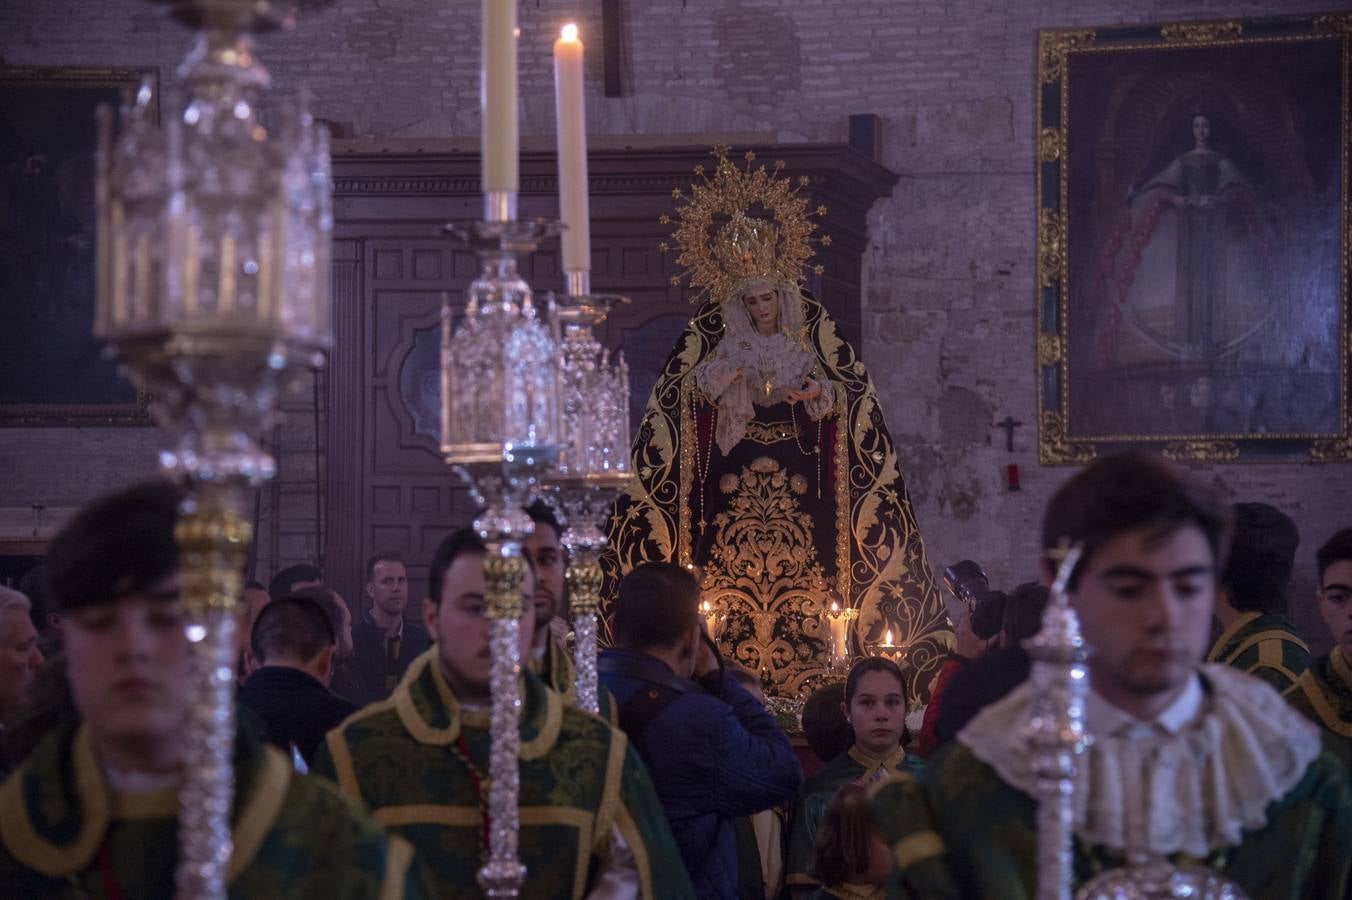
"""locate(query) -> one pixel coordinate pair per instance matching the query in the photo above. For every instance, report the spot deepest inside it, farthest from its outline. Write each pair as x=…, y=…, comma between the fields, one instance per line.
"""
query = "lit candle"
x=710, y=618
x=571, y=110
x=887, y=640
x=839, y=633
x=498, y=98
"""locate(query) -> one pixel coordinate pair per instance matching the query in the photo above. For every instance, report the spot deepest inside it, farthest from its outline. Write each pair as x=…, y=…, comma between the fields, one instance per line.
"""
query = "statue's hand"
x=810, y=392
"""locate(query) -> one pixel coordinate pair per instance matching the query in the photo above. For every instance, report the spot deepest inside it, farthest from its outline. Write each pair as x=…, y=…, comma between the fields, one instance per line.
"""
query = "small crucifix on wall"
x=1009, y=424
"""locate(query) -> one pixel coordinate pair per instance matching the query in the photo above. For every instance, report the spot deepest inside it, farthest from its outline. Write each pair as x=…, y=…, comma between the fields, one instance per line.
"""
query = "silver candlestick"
x=1056, y=732
x=500, y=431
x=594, y=466
x=213, y=268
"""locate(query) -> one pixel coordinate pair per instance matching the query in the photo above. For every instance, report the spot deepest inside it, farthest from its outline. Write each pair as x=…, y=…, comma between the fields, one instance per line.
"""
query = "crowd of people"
x=362, y=744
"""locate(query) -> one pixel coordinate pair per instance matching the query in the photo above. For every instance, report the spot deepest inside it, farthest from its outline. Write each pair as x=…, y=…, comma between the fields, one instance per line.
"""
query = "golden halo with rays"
x=743, y=223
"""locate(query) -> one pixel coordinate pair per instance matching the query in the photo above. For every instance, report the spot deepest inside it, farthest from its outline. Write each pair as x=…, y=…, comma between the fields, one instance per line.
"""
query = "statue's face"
x=762, y=305
x=1201, y=129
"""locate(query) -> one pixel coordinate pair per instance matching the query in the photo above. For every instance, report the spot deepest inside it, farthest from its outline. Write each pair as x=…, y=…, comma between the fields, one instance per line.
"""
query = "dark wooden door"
x=387, y=488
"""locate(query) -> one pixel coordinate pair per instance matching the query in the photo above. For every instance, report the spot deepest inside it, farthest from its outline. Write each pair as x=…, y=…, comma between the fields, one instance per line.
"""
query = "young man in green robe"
x=1188, y=762
x=590, y=819
x=1258, y=637
x=93, y=812
x=1324, y=692
x=549, y=658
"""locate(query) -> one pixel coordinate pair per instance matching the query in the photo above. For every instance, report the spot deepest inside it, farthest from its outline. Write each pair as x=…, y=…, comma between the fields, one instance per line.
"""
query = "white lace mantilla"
x=1191, y=792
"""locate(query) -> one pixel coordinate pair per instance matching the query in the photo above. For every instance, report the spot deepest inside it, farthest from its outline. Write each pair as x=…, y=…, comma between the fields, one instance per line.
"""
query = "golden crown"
x=742, y=224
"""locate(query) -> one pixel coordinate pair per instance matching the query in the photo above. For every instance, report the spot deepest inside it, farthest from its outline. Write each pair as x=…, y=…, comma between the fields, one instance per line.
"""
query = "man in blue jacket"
x=713, y=751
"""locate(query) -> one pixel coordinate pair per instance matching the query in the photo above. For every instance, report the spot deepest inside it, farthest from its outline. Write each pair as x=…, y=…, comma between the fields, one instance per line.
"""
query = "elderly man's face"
x=19, y=655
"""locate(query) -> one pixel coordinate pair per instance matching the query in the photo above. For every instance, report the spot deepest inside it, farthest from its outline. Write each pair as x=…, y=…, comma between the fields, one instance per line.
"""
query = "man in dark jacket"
x=713, y=751
x=295, y=645
x=383, y=641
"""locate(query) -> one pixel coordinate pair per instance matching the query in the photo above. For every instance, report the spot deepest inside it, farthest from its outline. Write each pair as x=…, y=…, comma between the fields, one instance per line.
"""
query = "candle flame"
x=705, y=606
x=835, y=607
x=569, y=32
x=887, y=639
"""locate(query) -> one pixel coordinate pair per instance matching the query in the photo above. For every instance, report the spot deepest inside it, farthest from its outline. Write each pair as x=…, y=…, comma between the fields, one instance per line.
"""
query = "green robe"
x=579, y=777
x=67, y=834
x=1265, y=645
x=960, y=831
x=1324, y=694
x=809, y=804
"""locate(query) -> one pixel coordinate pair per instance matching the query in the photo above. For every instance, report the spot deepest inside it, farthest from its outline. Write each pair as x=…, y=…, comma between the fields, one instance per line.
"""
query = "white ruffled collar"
x=1191, y=791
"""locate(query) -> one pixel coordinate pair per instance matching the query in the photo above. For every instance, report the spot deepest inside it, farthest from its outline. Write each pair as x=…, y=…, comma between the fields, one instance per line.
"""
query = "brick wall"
x=949, y=279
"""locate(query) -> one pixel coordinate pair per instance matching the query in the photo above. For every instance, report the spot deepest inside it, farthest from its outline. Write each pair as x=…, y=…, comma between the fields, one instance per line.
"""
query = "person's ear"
x=251, y=664
x=324, y=663
x=845, y=711
x=693, y=638
x=429, y=617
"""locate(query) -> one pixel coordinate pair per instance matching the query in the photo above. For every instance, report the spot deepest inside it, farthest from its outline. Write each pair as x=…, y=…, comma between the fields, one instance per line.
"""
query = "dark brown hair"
x=1261, y=559
x=1129, y=492
x=841, y=849
x=658, y=604
x=873, y=664
x=825, y=728
x=1336, y=549
x=120, y=544
x=465, y=540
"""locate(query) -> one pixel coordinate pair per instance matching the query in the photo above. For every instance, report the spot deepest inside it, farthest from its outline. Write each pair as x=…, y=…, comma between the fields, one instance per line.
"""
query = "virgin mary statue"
x=763, y=461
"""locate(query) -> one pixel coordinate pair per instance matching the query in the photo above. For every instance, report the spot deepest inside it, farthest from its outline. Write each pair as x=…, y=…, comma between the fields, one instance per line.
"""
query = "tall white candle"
x=572, y=126
x=498, y=96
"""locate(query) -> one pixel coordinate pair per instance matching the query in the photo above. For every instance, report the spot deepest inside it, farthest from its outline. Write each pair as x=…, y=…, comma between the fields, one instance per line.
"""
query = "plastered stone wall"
x=949, y=280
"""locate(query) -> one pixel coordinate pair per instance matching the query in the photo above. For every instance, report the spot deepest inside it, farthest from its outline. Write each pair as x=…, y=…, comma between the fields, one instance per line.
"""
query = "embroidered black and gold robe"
x=1324, y=694
x=67, y=834
x=579, y=778
x=809, y=804
x=1264, y=645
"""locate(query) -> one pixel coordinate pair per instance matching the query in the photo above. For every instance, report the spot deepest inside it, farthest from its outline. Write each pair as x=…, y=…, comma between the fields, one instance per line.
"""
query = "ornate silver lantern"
x=213, y=273
x=500, y=432
x=594, y=465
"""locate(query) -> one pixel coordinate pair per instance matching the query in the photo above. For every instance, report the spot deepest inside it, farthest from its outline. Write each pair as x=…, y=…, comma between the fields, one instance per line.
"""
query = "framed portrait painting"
x=52, y=370
x=1192, y=240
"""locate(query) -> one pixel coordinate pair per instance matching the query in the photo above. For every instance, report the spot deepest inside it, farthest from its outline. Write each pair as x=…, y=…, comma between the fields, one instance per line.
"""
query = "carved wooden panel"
x=387, y=486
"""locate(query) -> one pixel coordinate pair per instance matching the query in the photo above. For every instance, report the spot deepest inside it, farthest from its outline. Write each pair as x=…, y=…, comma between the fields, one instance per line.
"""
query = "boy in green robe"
x=1324, y=692
x=1251, y=607
x=93, y=811
x=589, y=815
x=1188, y=762
x=549, y=658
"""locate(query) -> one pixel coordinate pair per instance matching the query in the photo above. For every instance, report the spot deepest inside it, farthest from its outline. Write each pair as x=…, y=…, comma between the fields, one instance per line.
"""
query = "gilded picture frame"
x=1193, y=247
x=53, y=371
